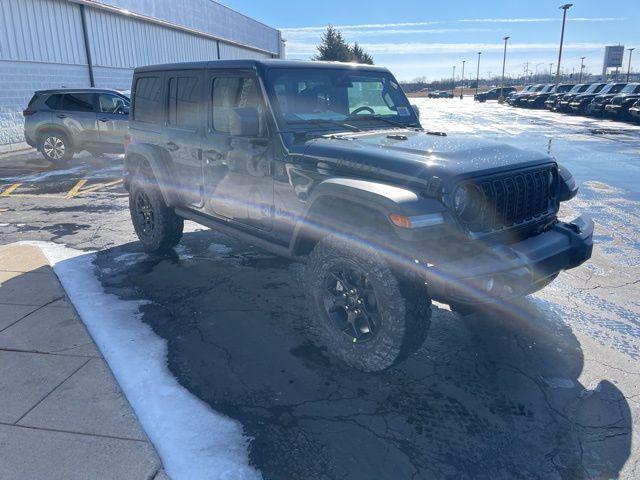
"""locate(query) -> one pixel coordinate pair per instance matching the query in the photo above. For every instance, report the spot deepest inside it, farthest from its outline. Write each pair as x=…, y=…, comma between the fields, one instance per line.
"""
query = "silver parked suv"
x=62, y=122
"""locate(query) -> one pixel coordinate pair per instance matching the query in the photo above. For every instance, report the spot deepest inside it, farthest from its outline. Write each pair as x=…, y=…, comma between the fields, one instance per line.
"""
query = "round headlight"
x=461, y=200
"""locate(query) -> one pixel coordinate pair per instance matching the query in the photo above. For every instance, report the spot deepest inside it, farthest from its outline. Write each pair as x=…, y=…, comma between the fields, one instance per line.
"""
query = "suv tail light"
x=127, y=140
x=28, y=112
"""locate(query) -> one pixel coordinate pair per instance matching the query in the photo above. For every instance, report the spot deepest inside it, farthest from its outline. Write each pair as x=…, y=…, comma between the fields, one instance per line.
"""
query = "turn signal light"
x=400, y=220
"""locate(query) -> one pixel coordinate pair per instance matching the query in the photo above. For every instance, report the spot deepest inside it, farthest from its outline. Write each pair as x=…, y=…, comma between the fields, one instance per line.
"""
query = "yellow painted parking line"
x=94, y=188
x=10, y=190
x=76, y=188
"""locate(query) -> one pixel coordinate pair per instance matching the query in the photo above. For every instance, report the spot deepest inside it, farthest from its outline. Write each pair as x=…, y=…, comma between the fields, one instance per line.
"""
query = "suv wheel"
x=364, y=314
x=157, y=226
x=55, y=147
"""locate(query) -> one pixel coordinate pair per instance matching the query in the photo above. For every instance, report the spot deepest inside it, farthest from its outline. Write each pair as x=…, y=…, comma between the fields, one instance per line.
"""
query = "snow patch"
x=219, y=249
x=130, y=258
x=193, y=441
x=37, y=177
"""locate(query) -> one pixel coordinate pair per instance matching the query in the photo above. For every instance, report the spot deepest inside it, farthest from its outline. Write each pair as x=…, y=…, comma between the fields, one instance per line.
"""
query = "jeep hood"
x=414, y=157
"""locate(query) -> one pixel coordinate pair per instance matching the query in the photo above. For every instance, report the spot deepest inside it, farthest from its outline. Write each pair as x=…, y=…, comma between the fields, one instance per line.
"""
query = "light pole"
x=453, y=87
x=564, y=9
x=462, y=87
x=581, y=68
x=478, y=74
x=629, y=68
x=504, y=61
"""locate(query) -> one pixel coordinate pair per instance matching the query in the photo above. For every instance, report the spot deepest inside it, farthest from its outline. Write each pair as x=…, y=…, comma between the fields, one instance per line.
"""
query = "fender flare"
x=381, y=198
x=160, y=166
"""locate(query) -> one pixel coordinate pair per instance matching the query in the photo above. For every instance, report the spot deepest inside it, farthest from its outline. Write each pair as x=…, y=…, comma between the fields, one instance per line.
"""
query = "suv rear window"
x=147, y=106
x=77, y=102
x=184, y=102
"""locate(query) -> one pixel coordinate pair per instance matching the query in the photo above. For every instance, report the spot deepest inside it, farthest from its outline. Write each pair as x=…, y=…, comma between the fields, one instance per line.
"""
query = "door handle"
x=103, y=120
x=171, y=146
x=61, y=116
x=212, y=155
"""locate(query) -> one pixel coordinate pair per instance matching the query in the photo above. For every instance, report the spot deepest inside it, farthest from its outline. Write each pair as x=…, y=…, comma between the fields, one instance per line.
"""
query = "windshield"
x=564, y=88
x=312, y=96
x=595, y=88
x=631, y=88
x=613, y=88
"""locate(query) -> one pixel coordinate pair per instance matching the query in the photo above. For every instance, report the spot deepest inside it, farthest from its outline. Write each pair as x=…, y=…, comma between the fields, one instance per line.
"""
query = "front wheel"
x=55, y=147
x=157, y=225
x=364, y=314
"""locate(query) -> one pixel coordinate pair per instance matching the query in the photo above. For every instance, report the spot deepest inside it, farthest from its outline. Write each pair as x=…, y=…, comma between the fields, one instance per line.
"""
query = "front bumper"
x=635, y=112
x=507, y=271
x=613, y=109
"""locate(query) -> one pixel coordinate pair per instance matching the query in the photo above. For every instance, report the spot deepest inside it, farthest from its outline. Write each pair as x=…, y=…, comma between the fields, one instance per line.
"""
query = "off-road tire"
x=167, y=228
x=55, y=147
x=404, y=306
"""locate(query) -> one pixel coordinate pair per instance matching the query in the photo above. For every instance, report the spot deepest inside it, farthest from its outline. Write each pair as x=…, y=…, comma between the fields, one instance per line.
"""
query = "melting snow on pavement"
x=193, y=441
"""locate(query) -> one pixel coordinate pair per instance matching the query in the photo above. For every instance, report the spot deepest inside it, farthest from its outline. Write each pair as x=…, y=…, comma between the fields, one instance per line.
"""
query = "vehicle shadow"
x=492, y=395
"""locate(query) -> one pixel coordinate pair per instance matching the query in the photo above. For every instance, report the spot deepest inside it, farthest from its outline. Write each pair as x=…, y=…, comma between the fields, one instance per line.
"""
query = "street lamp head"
x=506, y=38
x=566, y=6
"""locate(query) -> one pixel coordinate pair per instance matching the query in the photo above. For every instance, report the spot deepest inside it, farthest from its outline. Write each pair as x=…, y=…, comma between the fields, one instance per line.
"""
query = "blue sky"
x=416, y=38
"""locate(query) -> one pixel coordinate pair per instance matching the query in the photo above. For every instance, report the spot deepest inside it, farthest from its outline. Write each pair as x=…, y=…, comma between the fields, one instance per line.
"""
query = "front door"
x=237, y=168
x=113, y=119
x=183, y=133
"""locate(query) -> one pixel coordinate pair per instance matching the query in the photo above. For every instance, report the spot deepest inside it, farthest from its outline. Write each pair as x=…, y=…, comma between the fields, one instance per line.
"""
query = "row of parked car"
x=617, y=100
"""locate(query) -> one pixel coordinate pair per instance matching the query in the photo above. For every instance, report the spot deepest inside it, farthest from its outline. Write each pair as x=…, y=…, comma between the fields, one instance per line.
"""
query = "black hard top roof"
x=258, y=64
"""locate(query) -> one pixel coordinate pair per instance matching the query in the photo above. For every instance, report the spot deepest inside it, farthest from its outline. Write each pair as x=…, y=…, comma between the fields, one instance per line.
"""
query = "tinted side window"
x=235, y=92
x=77, y=102
x=112, y=103
x=184, y=102
x=53, y=101
x=147, y=105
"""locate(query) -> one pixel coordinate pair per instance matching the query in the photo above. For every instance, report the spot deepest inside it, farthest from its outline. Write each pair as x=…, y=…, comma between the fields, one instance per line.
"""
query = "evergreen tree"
x=358, y=55
x=333, y=48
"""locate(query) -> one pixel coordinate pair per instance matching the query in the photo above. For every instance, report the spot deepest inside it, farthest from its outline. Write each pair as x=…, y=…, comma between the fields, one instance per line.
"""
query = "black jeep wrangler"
x=328, y=163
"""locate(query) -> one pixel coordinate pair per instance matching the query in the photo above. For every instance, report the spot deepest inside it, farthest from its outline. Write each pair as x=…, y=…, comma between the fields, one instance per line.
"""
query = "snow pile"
x=193, y=441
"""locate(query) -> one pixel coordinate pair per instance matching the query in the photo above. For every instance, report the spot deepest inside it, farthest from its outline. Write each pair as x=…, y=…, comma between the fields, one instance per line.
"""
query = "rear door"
x=182, y=138
x=113, y=118
x=76, y=112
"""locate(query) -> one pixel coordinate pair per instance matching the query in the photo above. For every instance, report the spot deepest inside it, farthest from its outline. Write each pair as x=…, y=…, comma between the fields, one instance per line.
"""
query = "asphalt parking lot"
x=547, y=388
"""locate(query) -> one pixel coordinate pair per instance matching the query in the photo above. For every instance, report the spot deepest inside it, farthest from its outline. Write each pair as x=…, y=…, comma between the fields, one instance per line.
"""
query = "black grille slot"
x=513, y=199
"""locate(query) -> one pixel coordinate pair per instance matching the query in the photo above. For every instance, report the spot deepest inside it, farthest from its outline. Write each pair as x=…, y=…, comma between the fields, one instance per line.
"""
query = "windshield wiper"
x=380, y=117
x=321, y=121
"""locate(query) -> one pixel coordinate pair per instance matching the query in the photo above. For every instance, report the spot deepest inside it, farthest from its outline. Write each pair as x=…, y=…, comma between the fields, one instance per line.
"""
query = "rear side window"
x=77, y=102
x=53, y=101
x=184, y=102
x=147, y=105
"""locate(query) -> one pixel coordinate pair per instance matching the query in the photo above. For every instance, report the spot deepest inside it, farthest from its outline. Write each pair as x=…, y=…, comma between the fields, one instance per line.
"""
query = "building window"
x=147, y=105
x=184, y=102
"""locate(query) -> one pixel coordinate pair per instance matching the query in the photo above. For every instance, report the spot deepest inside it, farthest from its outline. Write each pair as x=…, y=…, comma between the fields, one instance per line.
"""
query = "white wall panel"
x=232, y=52
x=123, y=42
x=41, y=31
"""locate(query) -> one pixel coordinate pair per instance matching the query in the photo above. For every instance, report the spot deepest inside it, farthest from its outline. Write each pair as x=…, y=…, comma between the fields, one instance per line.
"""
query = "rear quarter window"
x=147, y=106
x=53, y=101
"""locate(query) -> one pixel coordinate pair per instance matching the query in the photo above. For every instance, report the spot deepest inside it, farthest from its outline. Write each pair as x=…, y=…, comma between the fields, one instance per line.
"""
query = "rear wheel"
x=157, y=225
x=364, y=313
x=55, y=147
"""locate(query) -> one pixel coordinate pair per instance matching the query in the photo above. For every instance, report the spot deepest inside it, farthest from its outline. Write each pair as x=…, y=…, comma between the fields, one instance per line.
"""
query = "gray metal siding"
x=206, y=16
x=122, y=42
x=232, y=52
x=41, y=31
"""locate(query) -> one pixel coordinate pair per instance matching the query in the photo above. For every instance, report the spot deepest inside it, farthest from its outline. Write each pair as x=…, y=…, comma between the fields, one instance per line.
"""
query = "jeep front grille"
x=513, y=199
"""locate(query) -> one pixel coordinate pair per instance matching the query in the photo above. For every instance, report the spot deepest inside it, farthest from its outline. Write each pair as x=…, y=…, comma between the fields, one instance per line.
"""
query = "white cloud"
x=360, y=26
x=538, y=20
x=294, y=48
x=357, y=33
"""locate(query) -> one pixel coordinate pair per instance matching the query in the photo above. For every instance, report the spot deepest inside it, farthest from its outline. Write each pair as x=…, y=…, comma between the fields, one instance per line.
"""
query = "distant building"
x=81, y=43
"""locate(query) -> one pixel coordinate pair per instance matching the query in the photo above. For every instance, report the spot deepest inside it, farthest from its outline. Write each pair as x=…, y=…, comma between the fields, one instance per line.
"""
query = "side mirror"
x=416, y=110
x=244, y=122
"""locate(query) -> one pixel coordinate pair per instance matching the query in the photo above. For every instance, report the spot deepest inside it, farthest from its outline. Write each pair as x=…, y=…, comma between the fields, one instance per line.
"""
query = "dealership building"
x=82, y=43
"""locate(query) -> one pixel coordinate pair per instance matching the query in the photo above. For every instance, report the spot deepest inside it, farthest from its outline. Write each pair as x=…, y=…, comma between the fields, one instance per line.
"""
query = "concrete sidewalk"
x=62, y=415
